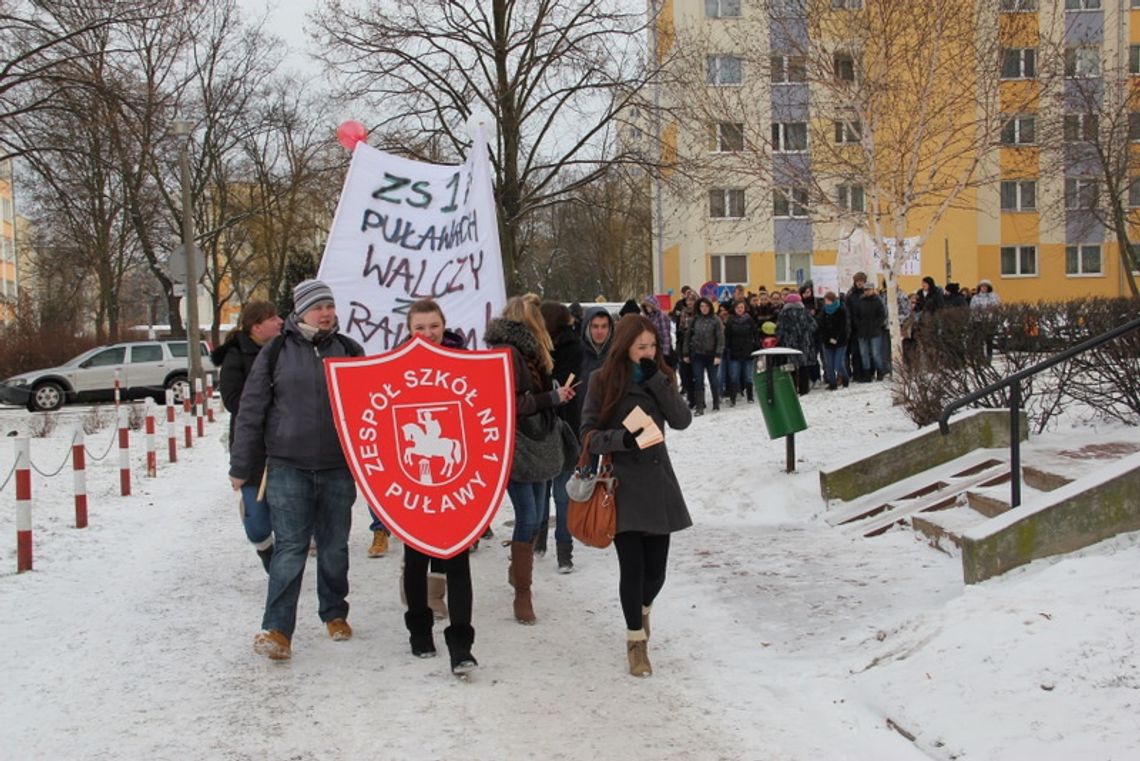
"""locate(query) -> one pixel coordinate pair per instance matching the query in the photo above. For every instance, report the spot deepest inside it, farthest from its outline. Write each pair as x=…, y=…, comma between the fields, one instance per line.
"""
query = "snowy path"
x=132, y=638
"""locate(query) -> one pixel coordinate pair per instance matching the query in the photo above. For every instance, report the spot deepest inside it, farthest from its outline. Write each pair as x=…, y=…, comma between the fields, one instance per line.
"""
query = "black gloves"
x=648, y=368
x=629, y=438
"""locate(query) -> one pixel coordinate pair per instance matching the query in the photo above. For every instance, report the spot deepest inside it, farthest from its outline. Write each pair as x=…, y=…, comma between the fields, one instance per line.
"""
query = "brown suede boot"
x=522, y=569
x=637, y=649
x=437, y=592
x=645, y=609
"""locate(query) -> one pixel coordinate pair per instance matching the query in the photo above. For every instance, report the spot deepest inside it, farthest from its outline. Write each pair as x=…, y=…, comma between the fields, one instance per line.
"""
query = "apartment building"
x=9, y=273
x=787, y=118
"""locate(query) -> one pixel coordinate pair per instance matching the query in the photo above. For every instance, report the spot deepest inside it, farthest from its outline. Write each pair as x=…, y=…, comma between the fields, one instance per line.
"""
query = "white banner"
x=407, y=230
x=857, y=253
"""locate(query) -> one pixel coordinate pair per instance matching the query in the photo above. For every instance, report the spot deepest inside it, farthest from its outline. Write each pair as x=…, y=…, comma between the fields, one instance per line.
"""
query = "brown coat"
x=649, y=497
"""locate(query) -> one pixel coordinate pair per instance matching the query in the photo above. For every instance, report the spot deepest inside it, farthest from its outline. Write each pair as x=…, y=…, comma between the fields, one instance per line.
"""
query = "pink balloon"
x=350, y=133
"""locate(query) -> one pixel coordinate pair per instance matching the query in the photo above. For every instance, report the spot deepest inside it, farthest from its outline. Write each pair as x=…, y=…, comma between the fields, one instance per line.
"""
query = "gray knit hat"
x=308, y=294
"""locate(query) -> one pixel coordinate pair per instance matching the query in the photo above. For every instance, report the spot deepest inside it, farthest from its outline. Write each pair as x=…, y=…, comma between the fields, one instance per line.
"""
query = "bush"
x=25, y=347
x=959, y=351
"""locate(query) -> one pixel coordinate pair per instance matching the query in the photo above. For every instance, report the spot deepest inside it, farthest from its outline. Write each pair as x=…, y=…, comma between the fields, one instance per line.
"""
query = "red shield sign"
x=429, y=434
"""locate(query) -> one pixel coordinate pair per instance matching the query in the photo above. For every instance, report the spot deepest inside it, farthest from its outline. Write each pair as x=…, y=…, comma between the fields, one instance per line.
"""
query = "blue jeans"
x=255, y=516
x=305, y=504
x=702, y=366
x=526, y=499
x=834, y=362
x=557, y=488
x=740, y=375
x=871, y=352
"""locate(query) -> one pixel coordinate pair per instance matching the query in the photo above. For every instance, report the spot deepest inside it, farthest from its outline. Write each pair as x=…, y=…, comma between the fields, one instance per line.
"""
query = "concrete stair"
x=1071, y=496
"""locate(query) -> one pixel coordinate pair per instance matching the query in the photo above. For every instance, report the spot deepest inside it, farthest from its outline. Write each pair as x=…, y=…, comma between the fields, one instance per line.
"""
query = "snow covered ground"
x=776, y=638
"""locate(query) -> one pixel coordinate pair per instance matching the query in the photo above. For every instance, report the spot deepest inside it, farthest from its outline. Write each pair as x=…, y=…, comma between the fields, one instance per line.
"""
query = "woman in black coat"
x=259, y=325
x=650, y=506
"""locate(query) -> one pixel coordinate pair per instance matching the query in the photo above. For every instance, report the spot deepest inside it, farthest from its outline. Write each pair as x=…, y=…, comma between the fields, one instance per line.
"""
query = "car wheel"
x=180, y=385
x=47, y=396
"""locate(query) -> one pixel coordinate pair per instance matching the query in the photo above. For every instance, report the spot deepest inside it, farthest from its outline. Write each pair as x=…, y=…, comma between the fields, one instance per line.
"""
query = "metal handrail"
x=1014, y=382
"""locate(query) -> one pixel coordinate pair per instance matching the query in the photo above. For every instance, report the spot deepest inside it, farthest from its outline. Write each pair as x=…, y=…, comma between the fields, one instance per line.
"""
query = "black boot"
x=419, y=626
x=266, y=556
x=459, y=639
x=565, y=557
x=540, y=539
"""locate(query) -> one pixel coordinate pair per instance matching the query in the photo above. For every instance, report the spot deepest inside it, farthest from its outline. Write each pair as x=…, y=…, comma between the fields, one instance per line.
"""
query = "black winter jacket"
x=235, y=359
x=832, y=326
x=741, y=335
x=868, y=316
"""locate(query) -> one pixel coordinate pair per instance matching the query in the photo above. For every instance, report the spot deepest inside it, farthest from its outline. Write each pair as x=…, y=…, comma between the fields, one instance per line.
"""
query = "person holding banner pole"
x=522, y=330
x=425, y=318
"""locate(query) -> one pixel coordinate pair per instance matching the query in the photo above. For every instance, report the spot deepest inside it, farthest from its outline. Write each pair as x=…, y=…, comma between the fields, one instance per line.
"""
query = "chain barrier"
x=62, y=465
x=107, y=451
x=8, y=477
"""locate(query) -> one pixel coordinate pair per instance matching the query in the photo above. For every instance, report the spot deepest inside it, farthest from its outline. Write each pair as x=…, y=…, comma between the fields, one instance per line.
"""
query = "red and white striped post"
x=201, y=421
x=188, y=428
x=79, y=465
x=118, y=387
x=209, y=397
x=23, y=506
x=151, y=455
x=124, y=455
x=171, y=429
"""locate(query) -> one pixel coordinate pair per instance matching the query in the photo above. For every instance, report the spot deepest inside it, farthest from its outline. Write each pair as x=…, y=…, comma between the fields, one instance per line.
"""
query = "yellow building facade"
x=9, y=273
x=739, y=210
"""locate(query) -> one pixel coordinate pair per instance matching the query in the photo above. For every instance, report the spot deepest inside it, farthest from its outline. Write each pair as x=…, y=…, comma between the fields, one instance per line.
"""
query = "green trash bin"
x=783, y=415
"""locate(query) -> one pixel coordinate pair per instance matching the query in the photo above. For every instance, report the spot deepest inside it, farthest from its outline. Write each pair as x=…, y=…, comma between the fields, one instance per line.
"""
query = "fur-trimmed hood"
x=504, y=331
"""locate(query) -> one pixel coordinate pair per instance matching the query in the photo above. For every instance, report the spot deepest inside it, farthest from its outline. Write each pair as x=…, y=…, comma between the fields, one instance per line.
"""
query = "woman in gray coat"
x=650, y=505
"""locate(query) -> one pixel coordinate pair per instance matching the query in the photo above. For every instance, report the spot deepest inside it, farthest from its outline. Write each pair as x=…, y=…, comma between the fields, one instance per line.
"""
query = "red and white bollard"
x=79, y=465
x=209, y=397
x=118, y=391
x=188, y=428
x=201, y=421
x=171, y=429
x=124, y=454
x=151, y=455
x=23, y=506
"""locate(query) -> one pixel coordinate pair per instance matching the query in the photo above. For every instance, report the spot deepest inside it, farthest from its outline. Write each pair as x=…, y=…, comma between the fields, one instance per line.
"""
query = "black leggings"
x=458, y=571
x=641, y=558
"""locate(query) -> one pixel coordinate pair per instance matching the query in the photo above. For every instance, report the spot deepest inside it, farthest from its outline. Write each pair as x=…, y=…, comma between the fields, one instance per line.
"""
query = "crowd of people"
x=579, y=374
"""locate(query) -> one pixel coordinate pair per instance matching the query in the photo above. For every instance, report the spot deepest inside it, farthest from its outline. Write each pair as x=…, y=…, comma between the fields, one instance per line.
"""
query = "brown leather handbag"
x=592, y=512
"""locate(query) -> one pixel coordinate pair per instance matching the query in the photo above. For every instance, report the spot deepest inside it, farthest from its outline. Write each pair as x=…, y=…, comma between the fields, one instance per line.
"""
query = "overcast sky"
x=286, y=20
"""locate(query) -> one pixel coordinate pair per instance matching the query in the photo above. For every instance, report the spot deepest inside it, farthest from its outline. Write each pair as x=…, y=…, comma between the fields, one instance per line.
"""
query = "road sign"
x=177, y=264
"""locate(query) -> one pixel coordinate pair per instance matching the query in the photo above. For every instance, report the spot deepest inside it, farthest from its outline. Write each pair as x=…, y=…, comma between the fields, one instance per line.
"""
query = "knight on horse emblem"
x=426, y=440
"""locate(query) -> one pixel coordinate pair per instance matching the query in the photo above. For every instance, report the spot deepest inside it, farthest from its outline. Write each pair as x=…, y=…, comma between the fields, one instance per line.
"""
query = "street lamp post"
x=185, y=129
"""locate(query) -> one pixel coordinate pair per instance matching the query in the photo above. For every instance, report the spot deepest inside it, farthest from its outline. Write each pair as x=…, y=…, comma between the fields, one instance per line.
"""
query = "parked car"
x=145, y=368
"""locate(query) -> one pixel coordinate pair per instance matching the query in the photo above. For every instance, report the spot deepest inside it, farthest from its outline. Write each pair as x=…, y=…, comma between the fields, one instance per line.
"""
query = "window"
x=722, y=8
x=1019, y=63
x=726, y=203
x=789, y=137
x=725, y=70
x=727, y=137
x=1134, y=192
x=1080, y=193
x=850, y=5
x=848, y=132
x=729, y=268
x=1134, y=126
x=1020, y=130
x=849, y=197
x=107, y=358
x=789, y=202
x=787, y=69
x=1082, y=61
x=1083, y=259
x=1018, y=5
x=1018, y=195
x=844, y=64
x=793, y=268
x=1134, y=59
x=146, y=353
x=1018, y=260
x=1080, y=127
x=1081, y=5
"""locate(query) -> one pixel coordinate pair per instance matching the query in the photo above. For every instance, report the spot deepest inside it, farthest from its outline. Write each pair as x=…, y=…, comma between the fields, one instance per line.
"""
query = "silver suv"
x=146, y=368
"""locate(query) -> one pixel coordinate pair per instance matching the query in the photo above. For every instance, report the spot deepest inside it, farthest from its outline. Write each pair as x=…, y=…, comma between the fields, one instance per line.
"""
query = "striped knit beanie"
x=308, y=294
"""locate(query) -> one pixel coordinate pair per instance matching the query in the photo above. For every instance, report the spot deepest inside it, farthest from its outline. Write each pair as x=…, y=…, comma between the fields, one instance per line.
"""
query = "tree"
x=554, y=76
x=906, y=111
